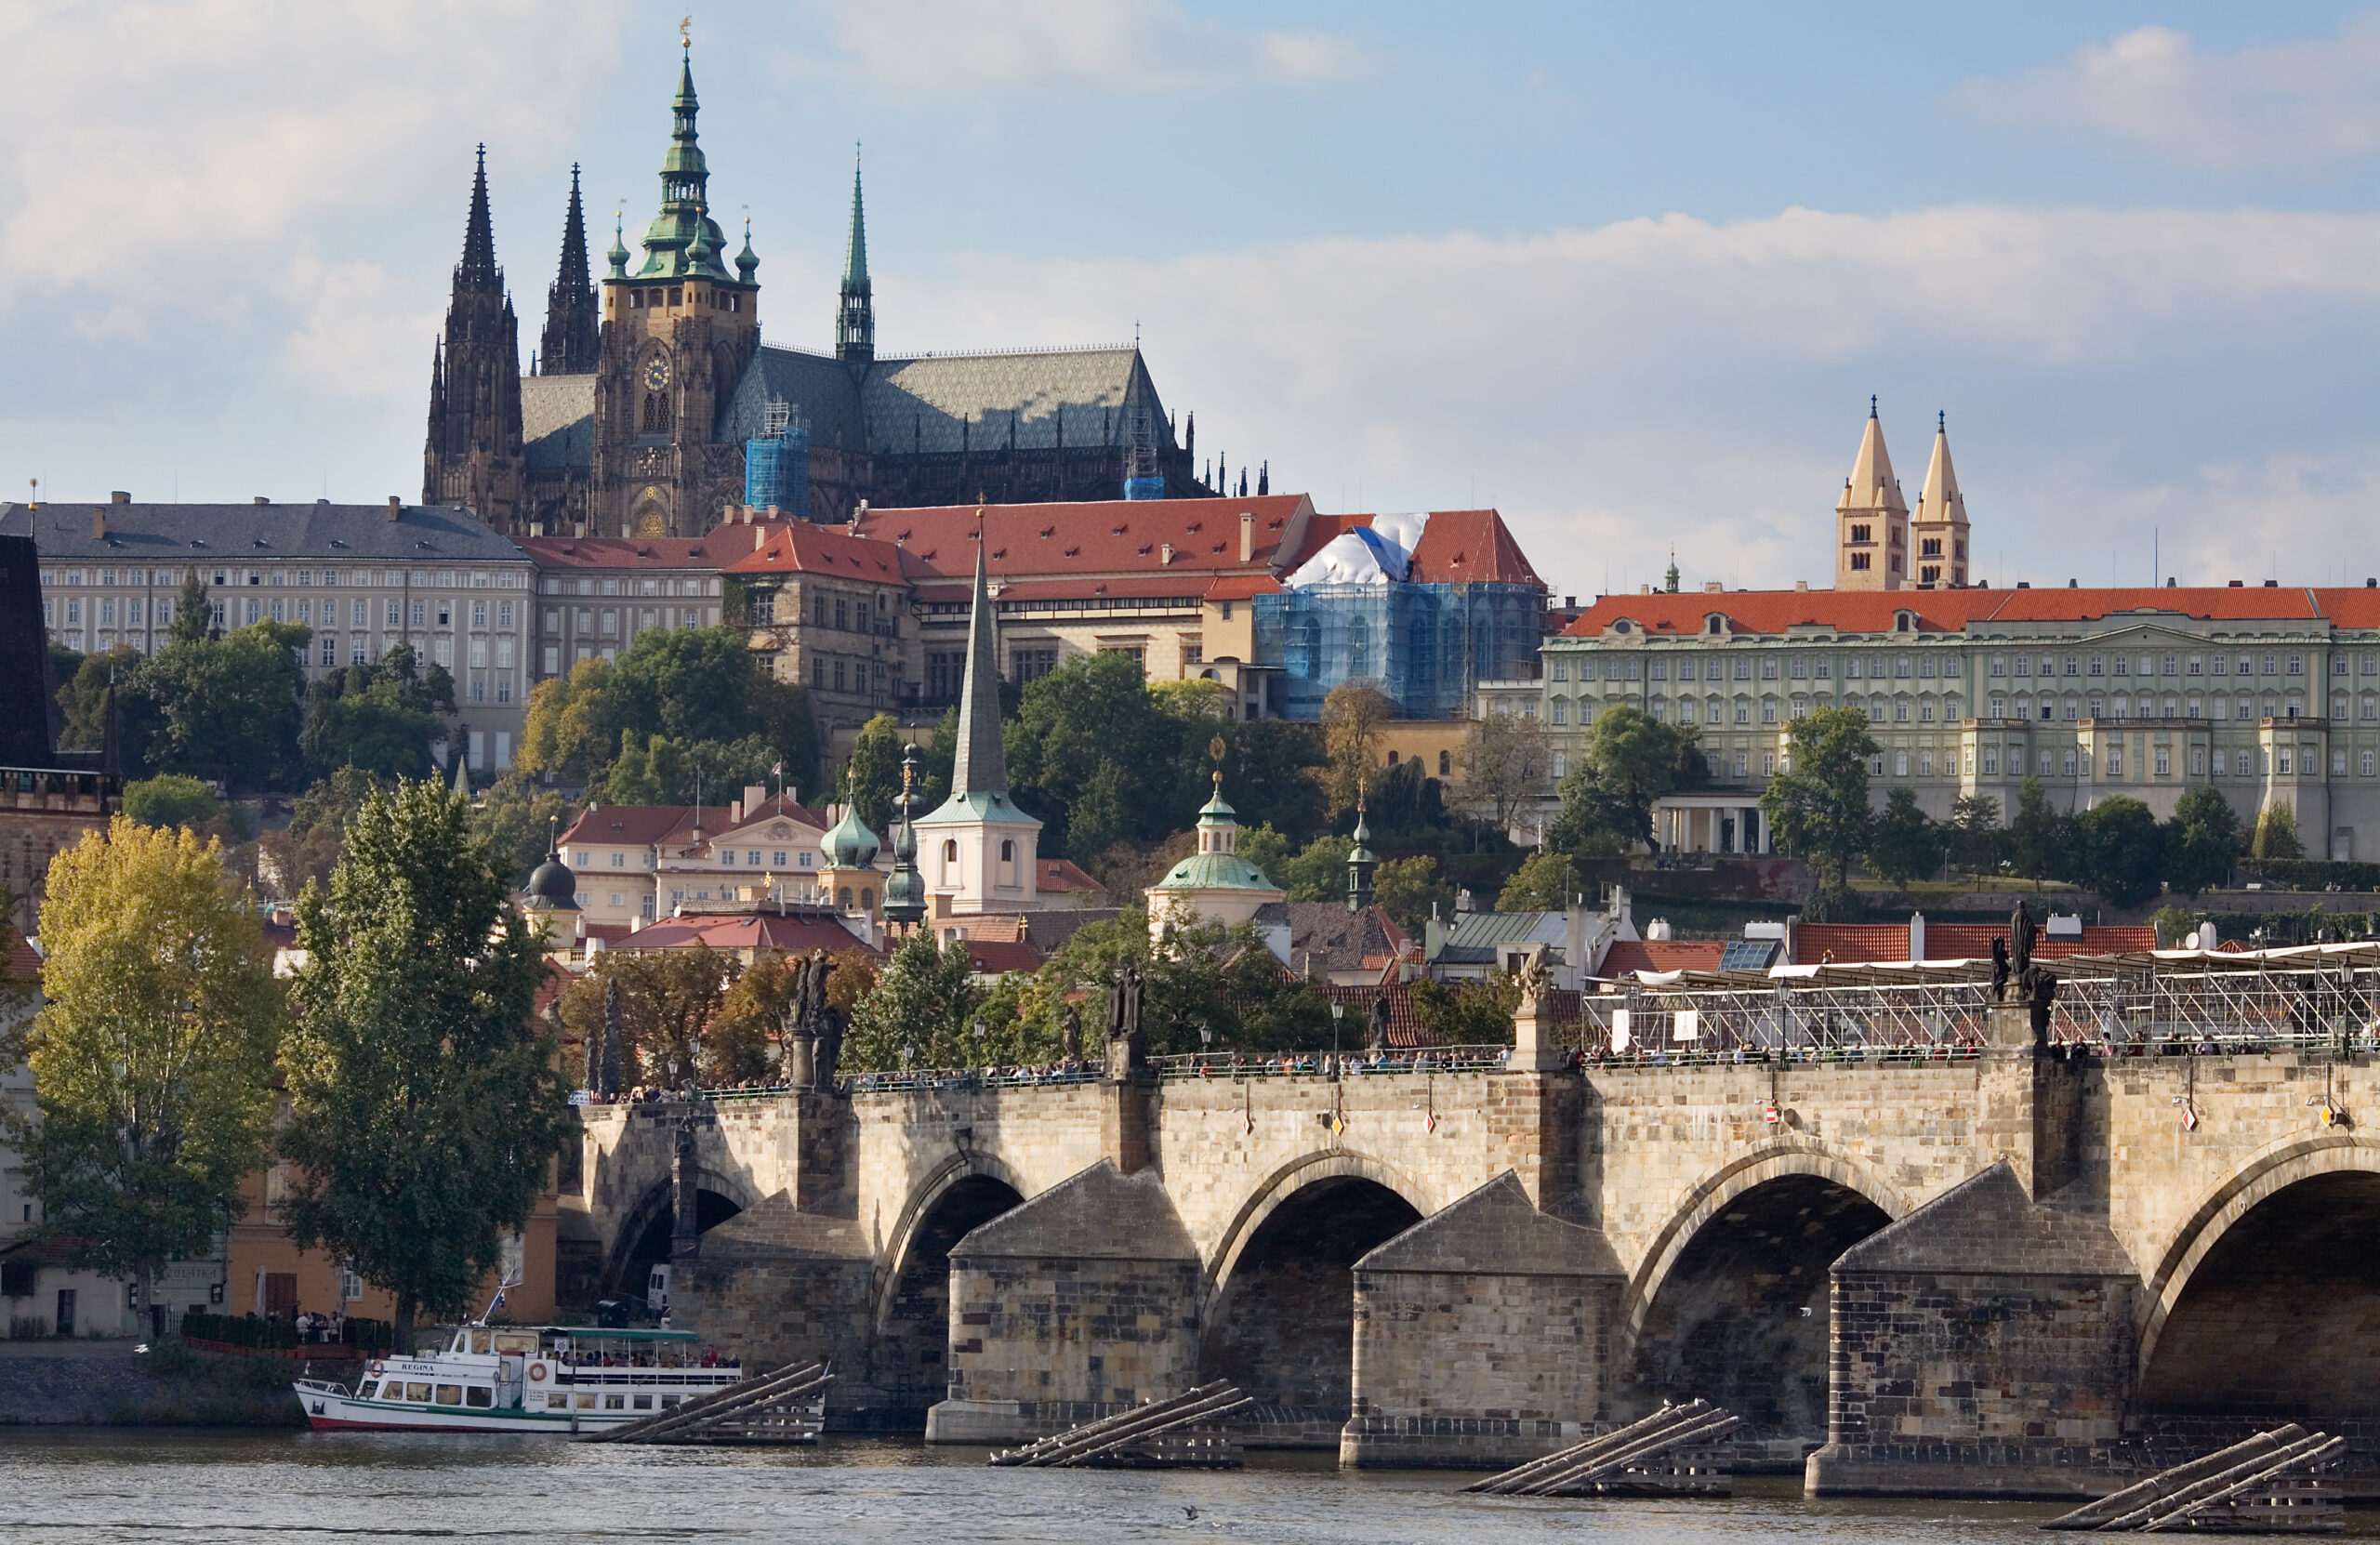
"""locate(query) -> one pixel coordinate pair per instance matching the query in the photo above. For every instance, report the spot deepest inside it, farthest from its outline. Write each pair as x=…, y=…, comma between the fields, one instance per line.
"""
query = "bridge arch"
x=2259, y=1304
x=645, y=1231
x=1729, y=1303
x=1278, y=1298
x=909, y=1321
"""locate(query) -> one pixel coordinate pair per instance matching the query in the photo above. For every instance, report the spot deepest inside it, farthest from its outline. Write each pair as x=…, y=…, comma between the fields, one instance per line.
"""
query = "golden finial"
x=686, y=31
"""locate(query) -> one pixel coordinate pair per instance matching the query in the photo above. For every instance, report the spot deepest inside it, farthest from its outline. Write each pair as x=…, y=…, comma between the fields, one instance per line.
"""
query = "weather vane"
x=686, y=31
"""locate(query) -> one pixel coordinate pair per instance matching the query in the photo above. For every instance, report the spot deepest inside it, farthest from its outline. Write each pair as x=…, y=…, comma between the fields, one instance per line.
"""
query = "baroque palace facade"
x=2269, y=694
x=647, y=389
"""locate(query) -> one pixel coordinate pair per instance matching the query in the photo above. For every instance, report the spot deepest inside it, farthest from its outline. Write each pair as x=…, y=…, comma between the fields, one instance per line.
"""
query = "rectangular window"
x=2164, y=761
x=2072, y=663
x=1900, y=764
x=479, y=654
x=1743, y=711
x=1768, y=669
x=1561, y=670
x=2198, y=761
x=1926, y=765
x=1561, y=710
x=2095, y=662
x=2272, y=664
x=2367, y=764
x=2339, y=764
x=2297, y=664
x=1823, y=666
x=1743, y=764
x=2071, y=758
x=1561, y=764
x=1991, y=763
x=1768, y=711
x=1801, y=668
x=2194, y=665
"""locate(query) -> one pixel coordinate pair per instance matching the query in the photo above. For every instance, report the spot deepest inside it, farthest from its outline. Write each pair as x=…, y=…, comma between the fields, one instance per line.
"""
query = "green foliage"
x=425, y=1103
x=1817, y=806
x=2041, y=839
x=230, y=705
x=1469, y=1013
x=193, y=613
x=2276, y=832
x=2201, y=841
x=2122, y=851
x=691, y=687
x=171, y=799
x=1545, y=882
x=1354, y=713
x=875, y=775
x=518, y=819
x=84, y=697
x=152, y=1061
x=1317, y=873
x=379, y=718
x=1630, y=761
x=920, y=1012
x=1904, y=844
x=1978, y=839
x=1093, y=756
x=309, y=848
x=665, y=771
x=1407, y=888
x=2174, y=923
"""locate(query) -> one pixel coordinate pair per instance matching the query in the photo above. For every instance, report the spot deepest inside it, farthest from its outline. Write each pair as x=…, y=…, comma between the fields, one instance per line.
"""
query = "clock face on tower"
x=656, y=373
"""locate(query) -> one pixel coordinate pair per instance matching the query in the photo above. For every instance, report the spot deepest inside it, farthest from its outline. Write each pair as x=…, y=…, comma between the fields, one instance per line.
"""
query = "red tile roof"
x=1470, y=547
x=24, y=961
x=637, y=552
x=799, y=548
x=1862, y=944
x=999, y=956
x=673, y=826
x=1105, y=538
x=1663, y=955
x=1063, y=873
x=1949, y=611
x=794, y=932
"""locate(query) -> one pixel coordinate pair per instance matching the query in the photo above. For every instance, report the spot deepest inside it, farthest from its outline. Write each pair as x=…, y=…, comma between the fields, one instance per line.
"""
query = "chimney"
x=261, y=500
x=1801, y=583
x=735, y=812
x=1246, y=536
x=119, y=497
x=396, y=506
x=755, y=796
x=1165, y=552
x=98, y=523
x=760, y=537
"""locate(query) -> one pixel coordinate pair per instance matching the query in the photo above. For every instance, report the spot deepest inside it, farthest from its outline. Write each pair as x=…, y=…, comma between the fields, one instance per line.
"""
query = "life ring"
x=537, y=1373
x=378, y=1368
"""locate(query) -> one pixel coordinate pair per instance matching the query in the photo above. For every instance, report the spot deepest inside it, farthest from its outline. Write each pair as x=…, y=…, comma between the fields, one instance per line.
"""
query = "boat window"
x=615, y=1402
x=644, y=1402
x=417, y=1392
x=513, y=1341
x=670, y=1401
x=557, y=1402
x=480, y=1341
x=478, y=1394
x=586, y=1400
x=450, y=1395
x=363, y=1390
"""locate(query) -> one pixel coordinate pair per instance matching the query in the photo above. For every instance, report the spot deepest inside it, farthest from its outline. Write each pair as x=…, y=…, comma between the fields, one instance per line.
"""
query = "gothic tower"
x=678, y=335
x=1872, y=519
x=472, y=457
x=1939, y=526
x=855, y=321
x=574, y=322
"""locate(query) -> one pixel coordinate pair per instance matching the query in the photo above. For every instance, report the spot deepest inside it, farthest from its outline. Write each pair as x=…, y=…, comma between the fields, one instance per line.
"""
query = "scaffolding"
x=776, y=468
x=1427, y=646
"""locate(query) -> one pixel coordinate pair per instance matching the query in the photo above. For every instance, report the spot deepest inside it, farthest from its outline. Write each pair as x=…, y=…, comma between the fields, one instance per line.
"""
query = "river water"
x=101, y=1487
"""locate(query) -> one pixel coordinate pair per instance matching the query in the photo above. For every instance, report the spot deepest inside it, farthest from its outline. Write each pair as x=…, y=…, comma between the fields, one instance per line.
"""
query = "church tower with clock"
x=678, y=335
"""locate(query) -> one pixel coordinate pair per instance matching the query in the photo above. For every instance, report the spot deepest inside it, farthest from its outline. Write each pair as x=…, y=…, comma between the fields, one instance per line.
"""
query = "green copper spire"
x=747, y=259
x=856, y=319
x=683, y=241
x=618, y=255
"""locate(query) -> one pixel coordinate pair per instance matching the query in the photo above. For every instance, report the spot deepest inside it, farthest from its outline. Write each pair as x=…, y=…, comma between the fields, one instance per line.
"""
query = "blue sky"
x=1629, y=275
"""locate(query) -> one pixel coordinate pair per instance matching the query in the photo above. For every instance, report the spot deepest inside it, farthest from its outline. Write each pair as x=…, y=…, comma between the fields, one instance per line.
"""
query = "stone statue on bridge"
x=2036, y=984
x=1128, y=1043
x=1375, y=1031
x=1070, y=1032
x=814, y=1035
x=604, y=1046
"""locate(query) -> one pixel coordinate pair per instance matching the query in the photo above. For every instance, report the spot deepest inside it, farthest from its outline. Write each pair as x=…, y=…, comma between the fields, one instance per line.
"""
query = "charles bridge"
x=1877, y=1221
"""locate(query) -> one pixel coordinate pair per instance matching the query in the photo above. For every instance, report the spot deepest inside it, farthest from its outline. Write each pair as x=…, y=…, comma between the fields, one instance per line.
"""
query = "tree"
x=1269, y=767
x=1095, y=756
x=1904, y=844
x=1408, y=888
x=153, y=1062
x=1629, y=761
x=919, y=1013
x=1817, y=806
x=2277, y=832
x=230, y=704
x=2122, y=852
x=2201, y=841
x=381, y=718
x=693, y=687
x=171, y=799
x=1354, y=713
x=1978, y=839
x=519, y=820
x=1505, y=758
x=111, y=682
x=875, y=777
x=426, y=1103
x=669, y=1000
x=1546, y=881
x=2041, y=837
x=1469, y=1013
x=665, y=772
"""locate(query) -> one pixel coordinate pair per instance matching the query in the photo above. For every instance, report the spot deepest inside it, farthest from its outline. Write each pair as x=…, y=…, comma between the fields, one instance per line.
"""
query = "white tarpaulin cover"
x=1377, y=554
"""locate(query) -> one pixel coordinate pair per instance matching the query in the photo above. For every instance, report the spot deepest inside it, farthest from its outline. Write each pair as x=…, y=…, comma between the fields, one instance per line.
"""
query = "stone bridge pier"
x=1999, y=1273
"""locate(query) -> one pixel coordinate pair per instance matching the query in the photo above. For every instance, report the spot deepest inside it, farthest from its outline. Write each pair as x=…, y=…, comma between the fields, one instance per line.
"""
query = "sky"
x=1629, y=275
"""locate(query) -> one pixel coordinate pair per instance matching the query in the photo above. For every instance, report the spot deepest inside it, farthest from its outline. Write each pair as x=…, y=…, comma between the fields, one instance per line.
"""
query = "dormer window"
x=1714, y=624
x=1903, y=621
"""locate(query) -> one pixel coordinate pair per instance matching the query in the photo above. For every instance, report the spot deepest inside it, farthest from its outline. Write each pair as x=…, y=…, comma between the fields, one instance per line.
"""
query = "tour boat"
x=536, y=1378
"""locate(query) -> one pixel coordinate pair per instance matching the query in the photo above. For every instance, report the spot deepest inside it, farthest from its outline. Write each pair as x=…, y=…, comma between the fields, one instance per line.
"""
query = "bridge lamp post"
x=1338, y=1012
x=979, y=1042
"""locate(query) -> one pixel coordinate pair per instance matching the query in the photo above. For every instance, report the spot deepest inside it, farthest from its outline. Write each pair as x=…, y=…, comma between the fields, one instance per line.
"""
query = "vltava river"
x=196, y=1487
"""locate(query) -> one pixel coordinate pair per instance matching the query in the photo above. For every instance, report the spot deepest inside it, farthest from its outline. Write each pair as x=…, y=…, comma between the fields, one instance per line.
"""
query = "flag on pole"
x=776, y=770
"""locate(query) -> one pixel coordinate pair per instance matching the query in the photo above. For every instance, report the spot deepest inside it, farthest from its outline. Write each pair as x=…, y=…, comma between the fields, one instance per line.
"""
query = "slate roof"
x=919, y=404
x=1344, y=941
x=817, y=387
x=558, y=423
x=1475, y=938
x=1100, y=1214
x=258, y=534
x=704, y=553
x=1497, y=1229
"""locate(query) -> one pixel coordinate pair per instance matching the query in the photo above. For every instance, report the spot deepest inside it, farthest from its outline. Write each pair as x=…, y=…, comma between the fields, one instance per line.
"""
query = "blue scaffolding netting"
x=1426, y=646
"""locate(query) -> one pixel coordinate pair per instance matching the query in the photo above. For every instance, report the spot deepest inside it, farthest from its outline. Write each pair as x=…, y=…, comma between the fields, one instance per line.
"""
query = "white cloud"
x=1673, y=380
x=363, y=331
x=1110, y=46
x=2294, y=104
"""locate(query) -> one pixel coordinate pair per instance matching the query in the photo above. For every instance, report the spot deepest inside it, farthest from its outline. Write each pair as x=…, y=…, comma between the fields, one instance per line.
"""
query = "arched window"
x=949, y=858
x=867, y=900
x=843, y=898
x=1391, y=759
x=1446, y=764
x=1008, y=852
x=657, y=414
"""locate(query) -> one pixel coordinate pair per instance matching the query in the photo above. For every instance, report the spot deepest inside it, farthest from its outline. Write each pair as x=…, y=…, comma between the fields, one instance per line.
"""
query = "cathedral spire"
x=684, y=224
x=478, y=270
x=855, y=320
x=573, y=331
x=980, y=767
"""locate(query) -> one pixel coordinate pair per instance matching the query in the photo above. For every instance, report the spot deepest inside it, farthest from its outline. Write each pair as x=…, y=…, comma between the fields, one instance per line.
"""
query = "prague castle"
x=652, y=403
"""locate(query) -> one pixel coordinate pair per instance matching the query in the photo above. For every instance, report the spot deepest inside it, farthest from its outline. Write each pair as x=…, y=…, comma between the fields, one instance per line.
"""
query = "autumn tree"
x=669, y=1000
x=1354, y=715
x=152, y=1059
x=426, y=1102
x=1504, y=762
